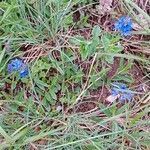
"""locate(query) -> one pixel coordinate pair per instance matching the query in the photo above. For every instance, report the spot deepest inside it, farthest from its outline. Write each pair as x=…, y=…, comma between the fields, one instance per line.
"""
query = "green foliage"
x=53, y=107
x=32, y=21
x=123, y=71
x=88, y=48
x=111, y=45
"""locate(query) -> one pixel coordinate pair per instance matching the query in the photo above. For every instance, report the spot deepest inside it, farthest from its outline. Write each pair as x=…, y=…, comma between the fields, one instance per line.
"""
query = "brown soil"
x=136, y=74
x=113, y=68
x=85, y=106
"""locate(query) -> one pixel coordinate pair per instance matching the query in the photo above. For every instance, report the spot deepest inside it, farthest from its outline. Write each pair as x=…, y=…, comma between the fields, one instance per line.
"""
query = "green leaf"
x=41, y=84
x=95, y=40
x=105, y=43
x=136, y=119
x=53, y=94
x=145, y=142
x=47, y=96
x=84, y=51
x=109, y=59
x=97, y=79
x=96, y=32
x=77, y=40
x=57, y=65
x=125, y=78
x=19, y=134
x=116, y=49
x=5, y=135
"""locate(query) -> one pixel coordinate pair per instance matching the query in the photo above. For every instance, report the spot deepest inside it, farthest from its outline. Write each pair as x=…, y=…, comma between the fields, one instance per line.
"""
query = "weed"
x=73, y=57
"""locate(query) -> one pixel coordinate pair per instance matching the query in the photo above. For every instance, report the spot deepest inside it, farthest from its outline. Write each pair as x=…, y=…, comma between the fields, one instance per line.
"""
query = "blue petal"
x=124, y=25
x=114, y=92
x=14, y=65
x=122, y=98
x=24, y=72
x=126, y=97
x=9, y=68
x=123, y=86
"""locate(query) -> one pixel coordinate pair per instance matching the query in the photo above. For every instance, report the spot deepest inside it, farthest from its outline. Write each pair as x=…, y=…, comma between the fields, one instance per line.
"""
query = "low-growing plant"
x=62, y=100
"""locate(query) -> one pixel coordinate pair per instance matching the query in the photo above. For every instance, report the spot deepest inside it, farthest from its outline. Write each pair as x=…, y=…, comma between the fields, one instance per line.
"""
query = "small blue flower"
x=17, y=65
x=122, y=90
x=124, y=25
x=14, y=65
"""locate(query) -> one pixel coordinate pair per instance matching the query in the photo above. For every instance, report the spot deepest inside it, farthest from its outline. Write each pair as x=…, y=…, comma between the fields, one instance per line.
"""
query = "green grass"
x=65, y=68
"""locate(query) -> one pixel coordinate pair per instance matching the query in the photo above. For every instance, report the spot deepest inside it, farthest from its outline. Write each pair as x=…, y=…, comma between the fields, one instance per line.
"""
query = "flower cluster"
x=124, y=25
x=124, y=93
x=17, y=65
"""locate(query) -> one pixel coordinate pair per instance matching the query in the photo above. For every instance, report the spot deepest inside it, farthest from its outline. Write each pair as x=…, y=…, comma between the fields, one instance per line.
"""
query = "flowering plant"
x=17, y=65
x=124, y=93
x=124, y=25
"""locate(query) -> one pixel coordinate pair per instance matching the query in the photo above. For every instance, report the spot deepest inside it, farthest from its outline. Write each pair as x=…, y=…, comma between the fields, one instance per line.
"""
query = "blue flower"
x=17, y=65
x=124, y=25
x=124, y=93
x=14, y=65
